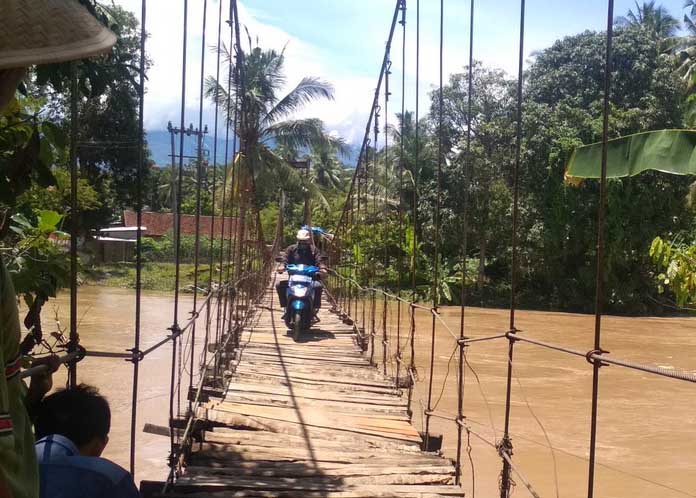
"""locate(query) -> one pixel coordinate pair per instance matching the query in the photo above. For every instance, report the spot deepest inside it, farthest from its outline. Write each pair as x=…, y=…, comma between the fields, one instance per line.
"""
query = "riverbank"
x=154, y=277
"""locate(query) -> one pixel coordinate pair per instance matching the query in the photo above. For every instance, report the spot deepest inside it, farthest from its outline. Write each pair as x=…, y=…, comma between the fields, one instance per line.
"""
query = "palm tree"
x=413, y=171
x=327, y=169
x=685, y=50
x=268, y=136
x=689, y=23
x=657, y=19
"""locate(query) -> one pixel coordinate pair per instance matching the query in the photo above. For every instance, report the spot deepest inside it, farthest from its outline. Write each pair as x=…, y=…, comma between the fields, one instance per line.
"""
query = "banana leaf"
x=669, y=151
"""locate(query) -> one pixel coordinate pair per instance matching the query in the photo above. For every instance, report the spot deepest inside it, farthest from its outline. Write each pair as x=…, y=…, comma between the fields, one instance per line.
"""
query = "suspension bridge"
x=254, y=413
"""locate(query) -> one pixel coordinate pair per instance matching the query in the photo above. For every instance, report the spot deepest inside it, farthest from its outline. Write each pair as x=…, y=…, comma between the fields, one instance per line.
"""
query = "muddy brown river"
x=647, y=425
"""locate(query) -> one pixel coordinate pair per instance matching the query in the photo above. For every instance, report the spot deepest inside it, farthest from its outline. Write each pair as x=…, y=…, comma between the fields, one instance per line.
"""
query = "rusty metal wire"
x=599, y=277
x=505, y=474
x=351, y=290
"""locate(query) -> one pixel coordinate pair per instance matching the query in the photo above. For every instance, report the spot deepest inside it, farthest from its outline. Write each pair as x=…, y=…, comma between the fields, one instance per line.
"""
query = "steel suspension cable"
x=414, y=248
x=364, y=149
x=199, y=178
x=468, y=169
x=361, y=223
x=599, y=278
x=211, y=247
x=400, y=260
x=238, y=241
x=373, y=272
x=236, y=234
x=440, y=122
x=241, y=175
x=385, y=337
x=506, y=445
x=74, y=223
x=177, y=252
x=230, y=118
x=138, y=234
x=437, y=235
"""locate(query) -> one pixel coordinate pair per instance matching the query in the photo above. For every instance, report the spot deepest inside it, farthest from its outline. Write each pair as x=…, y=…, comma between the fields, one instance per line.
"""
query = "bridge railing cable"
x=243, y=269
x=356, y=283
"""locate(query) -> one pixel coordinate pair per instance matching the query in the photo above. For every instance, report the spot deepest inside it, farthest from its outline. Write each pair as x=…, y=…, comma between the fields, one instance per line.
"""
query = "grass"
x=154, y=276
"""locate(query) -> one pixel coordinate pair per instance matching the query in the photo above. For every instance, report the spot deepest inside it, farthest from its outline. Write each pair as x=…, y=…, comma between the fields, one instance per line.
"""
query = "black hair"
x=80, y=414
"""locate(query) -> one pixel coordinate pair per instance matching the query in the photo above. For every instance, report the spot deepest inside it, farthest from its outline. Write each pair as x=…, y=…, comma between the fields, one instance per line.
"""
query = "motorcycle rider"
x=304, y=252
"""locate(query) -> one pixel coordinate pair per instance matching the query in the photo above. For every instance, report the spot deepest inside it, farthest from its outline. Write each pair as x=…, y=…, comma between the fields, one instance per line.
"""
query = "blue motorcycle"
x=300, y=312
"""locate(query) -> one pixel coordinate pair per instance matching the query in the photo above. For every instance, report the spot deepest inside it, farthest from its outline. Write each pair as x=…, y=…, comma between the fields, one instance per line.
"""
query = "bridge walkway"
x=309, y=419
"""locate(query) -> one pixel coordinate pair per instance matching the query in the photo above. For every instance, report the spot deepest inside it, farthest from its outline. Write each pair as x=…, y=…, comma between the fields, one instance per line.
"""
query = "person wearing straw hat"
x=45, y=32
x=31, y=32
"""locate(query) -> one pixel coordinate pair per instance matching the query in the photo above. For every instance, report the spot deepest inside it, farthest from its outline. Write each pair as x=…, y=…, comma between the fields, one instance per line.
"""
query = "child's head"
x=81, y=414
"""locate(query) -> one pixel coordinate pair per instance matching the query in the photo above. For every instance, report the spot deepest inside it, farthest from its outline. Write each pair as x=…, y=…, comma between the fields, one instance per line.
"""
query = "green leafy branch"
x=677, y=266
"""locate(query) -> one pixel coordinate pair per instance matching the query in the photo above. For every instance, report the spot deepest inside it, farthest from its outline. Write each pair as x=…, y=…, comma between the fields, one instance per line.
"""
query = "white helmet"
x=303, y=236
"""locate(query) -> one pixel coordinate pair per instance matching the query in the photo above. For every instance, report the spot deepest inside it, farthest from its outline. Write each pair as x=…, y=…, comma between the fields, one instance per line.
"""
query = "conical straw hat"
x=49, y=31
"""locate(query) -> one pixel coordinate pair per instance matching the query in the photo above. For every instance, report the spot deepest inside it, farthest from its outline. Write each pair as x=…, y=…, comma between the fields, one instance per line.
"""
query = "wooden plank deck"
x=310, y=419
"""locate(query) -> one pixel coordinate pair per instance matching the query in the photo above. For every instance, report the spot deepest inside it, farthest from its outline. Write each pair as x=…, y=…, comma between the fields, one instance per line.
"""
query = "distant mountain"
x=160, y=146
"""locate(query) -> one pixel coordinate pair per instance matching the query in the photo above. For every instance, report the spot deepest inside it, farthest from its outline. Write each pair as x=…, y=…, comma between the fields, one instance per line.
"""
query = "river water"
x=106, y=323
x=647, y=425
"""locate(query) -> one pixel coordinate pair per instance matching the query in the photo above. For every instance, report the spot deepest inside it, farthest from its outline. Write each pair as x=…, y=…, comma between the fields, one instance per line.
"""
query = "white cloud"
x=347, y=114
x=164, y=24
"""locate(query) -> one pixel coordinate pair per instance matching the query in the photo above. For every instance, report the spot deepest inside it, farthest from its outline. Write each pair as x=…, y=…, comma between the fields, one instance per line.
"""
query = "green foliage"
x=269, y=221
x=558, y=222
x=156, y=276
x=28, y=148
x=57, y=197
x=38, y=259
x=655, y=19
x=107, y=105
x=563, y=92
x=163, y=250
x=677, y=266
x=34, y=177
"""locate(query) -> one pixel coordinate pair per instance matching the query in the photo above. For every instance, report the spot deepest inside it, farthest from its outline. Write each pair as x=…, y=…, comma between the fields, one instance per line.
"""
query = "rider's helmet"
x=303, y=236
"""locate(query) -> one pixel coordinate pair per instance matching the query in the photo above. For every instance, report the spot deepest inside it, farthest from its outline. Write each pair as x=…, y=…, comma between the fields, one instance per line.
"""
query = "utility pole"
x=173, y=131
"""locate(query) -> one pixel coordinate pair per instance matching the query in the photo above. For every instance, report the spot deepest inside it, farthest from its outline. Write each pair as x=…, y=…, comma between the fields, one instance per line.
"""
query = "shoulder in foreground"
x=86, y=477
x=110, y=470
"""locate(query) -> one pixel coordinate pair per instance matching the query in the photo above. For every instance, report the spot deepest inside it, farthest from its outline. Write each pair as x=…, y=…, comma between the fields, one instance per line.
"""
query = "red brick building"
x=160, y=224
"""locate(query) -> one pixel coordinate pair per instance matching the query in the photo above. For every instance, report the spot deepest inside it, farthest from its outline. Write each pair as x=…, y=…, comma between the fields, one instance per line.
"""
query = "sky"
x=343, y=41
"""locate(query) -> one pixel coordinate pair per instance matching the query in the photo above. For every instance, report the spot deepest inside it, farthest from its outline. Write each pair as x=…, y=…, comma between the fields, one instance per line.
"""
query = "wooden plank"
x=265, y=457
x=354, y=492
x=309, y=412
x=238, y=438
x=241, y=436
x=306, y=357
x=335, y=477
x=311, y=394
x=337, y=368
x=309, y=419
x=295, y=469
x=336, y=406
x=316, y=374
x=298, y=377
x=395, y=427
x=351, y=352
x=297, y=485
x=264, y=424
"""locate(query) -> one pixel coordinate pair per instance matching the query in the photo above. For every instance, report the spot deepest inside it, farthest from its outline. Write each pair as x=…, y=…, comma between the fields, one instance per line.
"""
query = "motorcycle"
x=300, y=312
